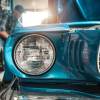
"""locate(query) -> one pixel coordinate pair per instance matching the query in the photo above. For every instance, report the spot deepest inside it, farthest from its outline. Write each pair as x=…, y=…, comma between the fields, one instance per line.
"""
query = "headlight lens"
x=34, y=54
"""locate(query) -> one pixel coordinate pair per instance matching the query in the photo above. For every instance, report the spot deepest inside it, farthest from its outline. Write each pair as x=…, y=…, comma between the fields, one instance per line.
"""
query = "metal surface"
x=68, y=67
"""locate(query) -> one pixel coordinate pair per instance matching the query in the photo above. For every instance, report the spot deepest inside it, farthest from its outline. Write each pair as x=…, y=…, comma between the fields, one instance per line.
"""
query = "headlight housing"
x=34, y=54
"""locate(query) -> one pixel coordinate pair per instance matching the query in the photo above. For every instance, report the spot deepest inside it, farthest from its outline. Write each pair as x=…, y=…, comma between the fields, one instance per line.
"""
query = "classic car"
x=61, y=58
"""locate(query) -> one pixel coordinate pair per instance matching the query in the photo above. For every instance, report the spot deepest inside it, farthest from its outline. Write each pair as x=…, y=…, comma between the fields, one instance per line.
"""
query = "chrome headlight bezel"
x=98, y=59
x=30, y=35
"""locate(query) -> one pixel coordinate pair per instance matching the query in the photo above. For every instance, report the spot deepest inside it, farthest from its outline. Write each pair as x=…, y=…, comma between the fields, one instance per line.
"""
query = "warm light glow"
x=15, y=98
x=30, y=18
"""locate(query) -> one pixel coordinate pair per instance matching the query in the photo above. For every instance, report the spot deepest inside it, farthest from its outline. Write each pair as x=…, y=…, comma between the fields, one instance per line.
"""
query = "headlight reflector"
x=34, y=54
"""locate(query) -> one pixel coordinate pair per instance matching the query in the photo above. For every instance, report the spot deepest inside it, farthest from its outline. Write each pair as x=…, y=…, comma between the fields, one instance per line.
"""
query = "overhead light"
x=30, y=18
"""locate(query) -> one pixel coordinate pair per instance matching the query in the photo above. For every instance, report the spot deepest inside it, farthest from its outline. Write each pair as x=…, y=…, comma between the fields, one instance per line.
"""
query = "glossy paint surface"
x=60, y=72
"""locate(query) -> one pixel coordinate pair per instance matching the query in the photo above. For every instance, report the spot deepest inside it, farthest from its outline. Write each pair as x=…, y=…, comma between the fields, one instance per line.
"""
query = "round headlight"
x=34, y=54
x=98, y=59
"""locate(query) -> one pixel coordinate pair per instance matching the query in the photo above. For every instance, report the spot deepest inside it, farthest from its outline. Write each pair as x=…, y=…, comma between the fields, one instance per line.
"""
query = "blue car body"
x=68, y=74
